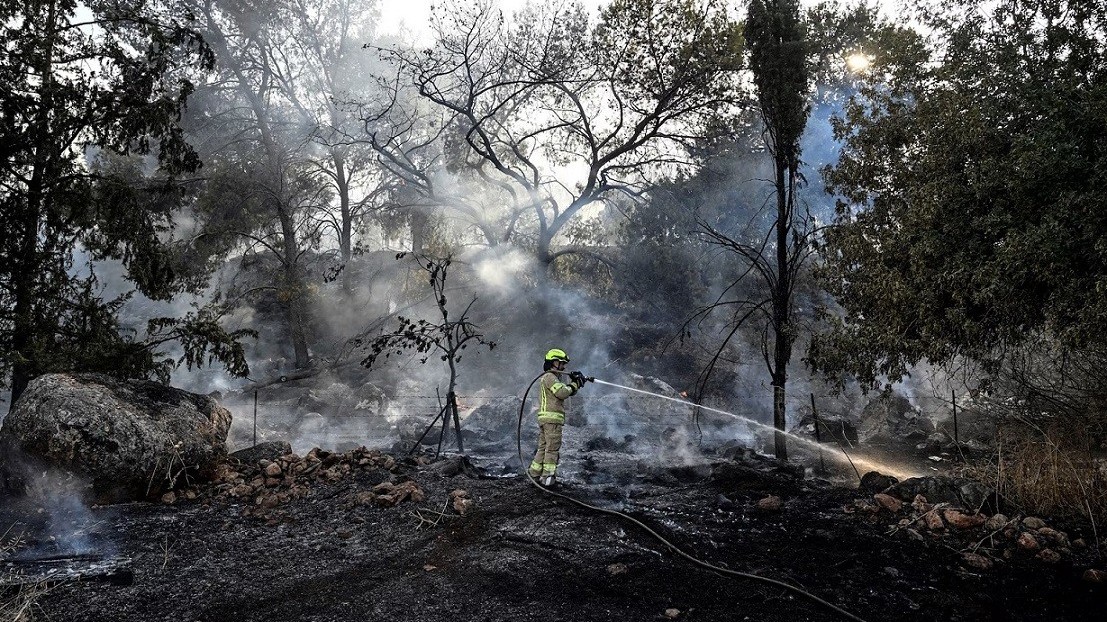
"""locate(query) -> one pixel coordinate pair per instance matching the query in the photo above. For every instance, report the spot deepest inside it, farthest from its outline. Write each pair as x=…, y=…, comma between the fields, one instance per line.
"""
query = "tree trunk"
x=24, y=322
x=418, y=220
x=346, y=235
x=782, y=348
x=296, y=304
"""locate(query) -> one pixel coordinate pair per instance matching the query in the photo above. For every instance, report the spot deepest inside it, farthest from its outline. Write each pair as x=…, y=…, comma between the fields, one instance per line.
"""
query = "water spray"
x=695, y=560
x=868, y=464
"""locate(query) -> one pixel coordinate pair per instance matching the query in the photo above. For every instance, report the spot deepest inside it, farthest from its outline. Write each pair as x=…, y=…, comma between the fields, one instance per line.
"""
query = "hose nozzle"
x=579, y=377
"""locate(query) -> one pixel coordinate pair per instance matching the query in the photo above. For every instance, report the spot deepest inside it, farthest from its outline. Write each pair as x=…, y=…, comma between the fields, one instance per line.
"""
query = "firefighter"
x=551, y=413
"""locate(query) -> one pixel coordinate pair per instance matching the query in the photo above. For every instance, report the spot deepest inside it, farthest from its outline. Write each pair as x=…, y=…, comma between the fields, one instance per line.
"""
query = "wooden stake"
x=427, y=431
x=818, y=436
x=956, y=437
x=451, y=400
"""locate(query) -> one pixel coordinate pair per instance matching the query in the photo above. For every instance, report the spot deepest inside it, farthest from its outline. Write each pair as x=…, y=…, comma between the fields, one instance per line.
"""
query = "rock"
x=723, y=503
x=1033, y=522
x=888, y=502
x=832, y=428
x=996, y=522
x=955, y=491
x=1027, y=542
x=169, y=498
x=933, y=522
x=496, y=420
x=455, y=466
x=960, y=520
x=616, y=569
x=873, y=482
x=1058, y=538
x=772, y=503
x=370, y=399
x=756, y=474
x=389, y=494
x=273, y=470
x=1091, y=575
x=1079, y=543
x=1049, y=556
x=363, y=498
x=975, y=560
x=934, y=444
x=867, y=507
x=461, y=501
x=920, y=504
x=672, y=613
x=130, y=439
x=890, y=418
x=270, y=450
x=369, y=404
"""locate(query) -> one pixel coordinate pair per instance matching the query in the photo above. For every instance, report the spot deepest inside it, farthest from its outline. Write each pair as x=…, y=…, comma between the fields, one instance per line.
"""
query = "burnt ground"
x=520, y=554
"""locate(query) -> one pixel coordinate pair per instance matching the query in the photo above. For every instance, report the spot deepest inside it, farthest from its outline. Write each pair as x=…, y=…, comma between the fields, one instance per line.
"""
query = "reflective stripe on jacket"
x=551, y=406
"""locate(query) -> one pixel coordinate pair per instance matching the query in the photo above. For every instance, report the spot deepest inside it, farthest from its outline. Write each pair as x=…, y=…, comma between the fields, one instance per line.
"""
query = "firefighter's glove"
x=577, y=378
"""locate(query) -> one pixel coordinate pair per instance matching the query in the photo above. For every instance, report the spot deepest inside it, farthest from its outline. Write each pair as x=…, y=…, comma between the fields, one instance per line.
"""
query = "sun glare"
x=858, y=62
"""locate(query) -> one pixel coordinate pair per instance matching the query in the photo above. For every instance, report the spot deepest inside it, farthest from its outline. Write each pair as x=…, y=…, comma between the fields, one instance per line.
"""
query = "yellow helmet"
x=557, y=355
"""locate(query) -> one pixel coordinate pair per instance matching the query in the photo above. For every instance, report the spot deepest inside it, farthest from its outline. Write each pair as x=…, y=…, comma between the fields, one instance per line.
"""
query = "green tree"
x=82, y=98
x=777, y=45
x=972, y=214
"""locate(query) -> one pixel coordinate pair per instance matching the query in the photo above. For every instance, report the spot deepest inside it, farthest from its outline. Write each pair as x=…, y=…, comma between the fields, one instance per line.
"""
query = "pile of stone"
x=985, y=537
x=266, y=483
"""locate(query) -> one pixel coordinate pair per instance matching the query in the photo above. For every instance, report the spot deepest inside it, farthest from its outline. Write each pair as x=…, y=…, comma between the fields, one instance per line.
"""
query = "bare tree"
x=510, y=108
x=446, y=339
x=271, y=137
x=326, y=71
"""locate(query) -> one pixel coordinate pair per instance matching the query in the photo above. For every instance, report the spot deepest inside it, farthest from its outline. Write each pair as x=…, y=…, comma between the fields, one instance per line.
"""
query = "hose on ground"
x=699, y=562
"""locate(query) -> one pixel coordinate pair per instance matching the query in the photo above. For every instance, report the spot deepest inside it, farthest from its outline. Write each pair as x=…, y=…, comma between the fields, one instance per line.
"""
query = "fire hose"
x=699, y=562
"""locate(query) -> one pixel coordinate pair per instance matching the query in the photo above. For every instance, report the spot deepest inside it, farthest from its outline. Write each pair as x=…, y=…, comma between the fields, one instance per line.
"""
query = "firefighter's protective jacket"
x=551, y=406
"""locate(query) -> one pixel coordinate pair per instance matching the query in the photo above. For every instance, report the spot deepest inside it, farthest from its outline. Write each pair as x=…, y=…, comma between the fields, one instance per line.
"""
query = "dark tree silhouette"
x=84, y=99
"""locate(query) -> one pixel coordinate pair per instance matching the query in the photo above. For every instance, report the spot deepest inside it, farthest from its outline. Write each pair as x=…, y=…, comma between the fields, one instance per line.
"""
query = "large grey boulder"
x=890, y=419
x=498, y=419
x=130, y=439
x=655, y=408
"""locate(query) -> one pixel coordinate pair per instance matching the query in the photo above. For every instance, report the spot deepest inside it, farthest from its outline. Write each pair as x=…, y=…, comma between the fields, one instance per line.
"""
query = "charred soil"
x=400, y=540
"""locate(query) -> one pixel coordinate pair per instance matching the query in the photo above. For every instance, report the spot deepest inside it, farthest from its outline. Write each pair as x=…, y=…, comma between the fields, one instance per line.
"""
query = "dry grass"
x=18, y=604
x=23, y=605
x=1049, y=469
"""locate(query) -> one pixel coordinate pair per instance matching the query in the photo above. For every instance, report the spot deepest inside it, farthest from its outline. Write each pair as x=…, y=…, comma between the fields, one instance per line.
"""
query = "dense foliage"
x=973, y=213
x=90, y=145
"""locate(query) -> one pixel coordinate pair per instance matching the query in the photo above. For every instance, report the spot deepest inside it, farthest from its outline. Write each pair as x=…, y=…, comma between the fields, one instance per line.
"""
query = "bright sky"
x=414, y=15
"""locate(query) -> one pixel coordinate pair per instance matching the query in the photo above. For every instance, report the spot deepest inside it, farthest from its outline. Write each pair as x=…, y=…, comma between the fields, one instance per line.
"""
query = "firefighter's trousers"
x=549, y=448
